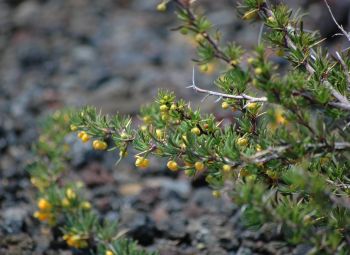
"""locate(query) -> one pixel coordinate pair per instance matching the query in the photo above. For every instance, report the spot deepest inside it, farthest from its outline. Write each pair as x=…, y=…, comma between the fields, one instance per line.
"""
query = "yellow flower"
x=196, y=131
x=44, y=205
x=199, y=166
x=99, y=145
x=109, y=252
x=142, y=162
x=173, y=107
x=172, y=165
x=242, y=141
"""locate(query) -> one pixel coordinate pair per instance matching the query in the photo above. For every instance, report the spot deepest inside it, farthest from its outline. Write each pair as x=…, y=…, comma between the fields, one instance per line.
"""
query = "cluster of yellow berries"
x=44, y=213
x=84, y=136
x=173, y=166
x=141, y=162
x=75, y=240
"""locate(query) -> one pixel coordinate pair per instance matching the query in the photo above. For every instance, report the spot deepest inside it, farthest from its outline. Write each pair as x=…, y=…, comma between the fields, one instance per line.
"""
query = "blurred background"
x=115, y=55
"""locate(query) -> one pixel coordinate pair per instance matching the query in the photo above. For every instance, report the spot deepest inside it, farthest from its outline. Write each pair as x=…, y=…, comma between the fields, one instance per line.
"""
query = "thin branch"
x=223, y=95
x=343, y=101
x=346, y=34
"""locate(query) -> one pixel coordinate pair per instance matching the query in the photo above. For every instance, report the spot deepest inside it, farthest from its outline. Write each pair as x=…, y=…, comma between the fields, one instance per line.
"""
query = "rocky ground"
x=114, y=54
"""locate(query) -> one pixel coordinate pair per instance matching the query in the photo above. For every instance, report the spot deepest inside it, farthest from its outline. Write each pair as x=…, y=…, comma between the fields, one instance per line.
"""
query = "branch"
x=346, y=34
x=344, y=102
x=223, y=95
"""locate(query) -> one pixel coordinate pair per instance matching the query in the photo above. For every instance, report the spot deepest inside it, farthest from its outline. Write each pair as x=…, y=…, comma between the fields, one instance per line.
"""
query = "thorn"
x=217, y=100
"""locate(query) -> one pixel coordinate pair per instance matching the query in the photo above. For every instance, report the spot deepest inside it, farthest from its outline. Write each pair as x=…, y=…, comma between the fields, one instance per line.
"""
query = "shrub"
x=285, y=156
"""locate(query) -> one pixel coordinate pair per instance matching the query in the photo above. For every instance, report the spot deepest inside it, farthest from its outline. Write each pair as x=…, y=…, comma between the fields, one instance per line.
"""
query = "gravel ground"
x=114, y=54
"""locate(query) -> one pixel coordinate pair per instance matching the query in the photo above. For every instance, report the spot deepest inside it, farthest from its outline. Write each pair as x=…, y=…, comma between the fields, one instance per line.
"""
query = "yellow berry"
x=65, y=202
x=86, y=205
x=163, y=107
x=99, y=145
x=258, y=71
x=199, y=166
x=225, y=105
x=73, y=127
x=199, y=37
x=161, y=7
x=250, y=15
x=43, y=204
x=81, y=134
x=42, y=216
x=70, y=194
x=271, y=19
x=242, y=141
x=258, y=147
x=216, y=193
x=159, y=133
x=147, y=119
x=124, y=135
x=226, y=168
x=183, y=146
x=252, y=106
x=250, y=60
x=173, y=107
x=142, y=162
x=85, y=138
x=196, y=131
x=109, y=252
x=172, y=165
x=143, y=128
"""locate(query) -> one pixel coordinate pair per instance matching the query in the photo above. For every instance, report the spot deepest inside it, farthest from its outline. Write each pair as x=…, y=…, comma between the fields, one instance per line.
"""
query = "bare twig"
x=223, y=95
x=346, y=34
